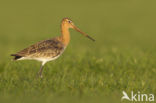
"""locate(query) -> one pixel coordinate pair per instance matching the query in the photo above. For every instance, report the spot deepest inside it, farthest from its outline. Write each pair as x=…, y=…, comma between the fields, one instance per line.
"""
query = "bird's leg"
x=40, y=72
x=41, y=69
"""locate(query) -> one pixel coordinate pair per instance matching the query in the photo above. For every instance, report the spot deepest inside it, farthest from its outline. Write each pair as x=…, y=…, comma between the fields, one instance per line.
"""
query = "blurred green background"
x=122, y=58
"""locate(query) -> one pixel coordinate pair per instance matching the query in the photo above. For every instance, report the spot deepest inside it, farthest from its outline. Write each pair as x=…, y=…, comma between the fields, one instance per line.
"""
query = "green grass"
x=122, y=58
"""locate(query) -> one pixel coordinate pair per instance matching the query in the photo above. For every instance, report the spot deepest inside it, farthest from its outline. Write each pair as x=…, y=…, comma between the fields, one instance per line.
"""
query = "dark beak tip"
x=77, y=29
x=91, y=38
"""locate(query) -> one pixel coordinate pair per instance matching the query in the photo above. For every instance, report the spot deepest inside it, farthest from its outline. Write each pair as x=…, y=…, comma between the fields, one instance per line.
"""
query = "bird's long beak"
x=77, y=29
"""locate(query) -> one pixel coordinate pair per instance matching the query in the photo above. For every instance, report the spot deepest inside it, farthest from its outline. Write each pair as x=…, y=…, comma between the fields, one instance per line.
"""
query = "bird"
x=50, y=49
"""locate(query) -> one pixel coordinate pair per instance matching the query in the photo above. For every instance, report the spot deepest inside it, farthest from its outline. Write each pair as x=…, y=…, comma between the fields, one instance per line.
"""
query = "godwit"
x=50, y=49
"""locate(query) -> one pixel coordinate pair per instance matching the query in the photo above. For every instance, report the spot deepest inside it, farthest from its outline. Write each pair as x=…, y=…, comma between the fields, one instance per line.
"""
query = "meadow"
x=123, y=57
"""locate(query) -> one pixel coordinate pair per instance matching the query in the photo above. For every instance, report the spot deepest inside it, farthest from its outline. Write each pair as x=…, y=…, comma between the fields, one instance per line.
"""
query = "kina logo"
x=137, y=97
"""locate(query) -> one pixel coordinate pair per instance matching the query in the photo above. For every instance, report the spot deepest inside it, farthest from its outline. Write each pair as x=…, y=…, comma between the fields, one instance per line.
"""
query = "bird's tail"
x=16, y=56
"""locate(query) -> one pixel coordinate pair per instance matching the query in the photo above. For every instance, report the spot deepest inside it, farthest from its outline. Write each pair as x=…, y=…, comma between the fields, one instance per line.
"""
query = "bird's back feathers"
x=47, y=48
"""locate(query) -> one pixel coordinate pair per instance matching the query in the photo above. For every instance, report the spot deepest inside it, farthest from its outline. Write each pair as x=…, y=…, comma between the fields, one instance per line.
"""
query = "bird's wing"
x=51, y=47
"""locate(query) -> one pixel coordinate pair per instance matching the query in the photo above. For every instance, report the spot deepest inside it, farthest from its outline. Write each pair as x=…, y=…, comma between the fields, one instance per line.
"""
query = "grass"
x=122, y=58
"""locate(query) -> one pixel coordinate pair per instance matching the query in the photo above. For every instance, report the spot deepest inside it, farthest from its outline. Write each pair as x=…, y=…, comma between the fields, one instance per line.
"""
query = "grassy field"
x=122, y=58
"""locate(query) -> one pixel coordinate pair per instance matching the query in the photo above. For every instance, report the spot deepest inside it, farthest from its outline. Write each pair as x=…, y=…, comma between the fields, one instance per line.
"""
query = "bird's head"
x=69, y=24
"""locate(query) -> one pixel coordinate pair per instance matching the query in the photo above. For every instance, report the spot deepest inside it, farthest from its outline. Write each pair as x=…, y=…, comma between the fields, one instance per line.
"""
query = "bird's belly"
x=42, y=58
x=46, y=59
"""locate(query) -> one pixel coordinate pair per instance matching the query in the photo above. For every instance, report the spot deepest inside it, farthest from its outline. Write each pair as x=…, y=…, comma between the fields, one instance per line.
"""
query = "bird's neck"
x=65, y=35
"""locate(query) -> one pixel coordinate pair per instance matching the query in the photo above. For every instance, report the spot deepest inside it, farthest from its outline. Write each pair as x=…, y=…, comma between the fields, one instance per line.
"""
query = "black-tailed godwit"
x=50, y=49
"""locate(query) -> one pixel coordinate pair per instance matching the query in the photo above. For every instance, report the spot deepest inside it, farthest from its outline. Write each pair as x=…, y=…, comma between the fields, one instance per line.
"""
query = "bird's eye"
x=69, y=21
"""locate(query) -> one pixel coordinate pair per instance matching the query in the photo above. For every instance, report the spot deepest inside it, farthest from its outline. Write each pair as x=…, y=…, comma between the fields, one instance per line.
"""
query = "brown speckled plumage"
x=44, y=49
